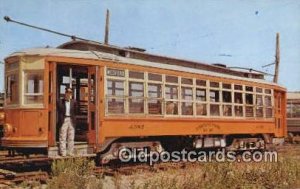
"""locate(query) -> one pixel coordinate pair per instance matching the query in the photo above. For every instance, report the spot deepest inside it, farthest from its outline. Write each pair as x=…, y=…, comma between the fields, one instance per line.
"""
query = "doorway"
x=82, y=80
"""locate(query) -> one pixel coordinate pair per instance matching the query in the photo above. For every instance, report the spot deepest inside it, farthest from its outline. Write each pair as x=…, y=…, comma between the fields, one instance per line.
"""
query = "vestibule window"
x=33, y=87
x=12, y=89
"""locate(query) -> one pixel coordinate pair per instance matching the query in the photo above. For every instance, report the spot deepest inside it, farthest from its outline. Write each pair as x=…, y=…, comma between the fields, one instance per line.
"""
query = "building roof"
x=96, y=55
x=293, y=95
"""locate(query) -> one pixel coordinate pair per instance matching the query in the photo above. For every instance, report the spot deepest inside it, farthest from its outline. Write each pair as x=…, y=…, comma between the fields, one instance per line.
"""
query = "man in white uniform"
x=66, y=114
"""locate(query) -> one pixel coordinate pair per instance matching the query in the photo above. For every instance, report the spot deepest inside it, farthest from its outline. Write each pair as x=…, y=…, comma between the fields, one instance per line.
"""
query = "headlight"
x=7, y=129
x=2, y=115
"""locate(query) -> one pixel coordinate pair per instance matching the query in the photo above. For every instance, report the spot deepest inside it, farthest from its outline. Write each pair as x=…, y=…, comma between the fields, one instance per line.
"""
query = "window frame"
x=194, y=86
x=10, y=68
x=107, y=97
x=24, y=94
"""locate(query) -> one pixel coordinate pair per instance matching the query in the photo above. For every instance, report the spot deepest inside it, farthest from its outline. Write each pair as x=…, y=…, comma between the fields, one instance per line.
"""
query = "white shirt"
x=67, y=108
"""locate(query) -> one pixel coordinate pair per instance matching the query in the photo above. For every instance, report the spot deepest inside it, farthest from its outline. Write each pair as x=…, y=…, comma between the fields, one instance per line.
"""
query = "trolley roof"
x=293, y=95
x=96, y=55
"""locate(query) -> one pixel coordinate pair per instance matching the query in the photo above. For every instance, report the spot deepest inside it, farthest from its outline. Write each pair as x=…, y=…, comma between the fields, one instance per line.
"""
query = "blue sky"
x=199, y=30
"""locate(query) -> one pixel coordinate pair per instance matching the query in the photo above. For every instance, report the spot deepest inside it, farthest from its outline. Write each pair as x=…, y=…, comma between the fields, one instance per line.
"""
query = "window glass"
x=226, y=86
x=136, y=75
x=249, y=99
x=238, y=98
x=187, y=93
x=187, y=81
x=171, y=92
x=154, y=106
x=268, y=101
x=154, y=77
x=269, y=112
x=238, y=87
x=214, y=110
x=136, y=89
x=172, y=108
x=187, y=108
x=214, y=84
x=136, y=105
x=214, y=96
x=258, y=90
x=238, y=110
x=115, y=105
x=171, y=79
x=11, y=66
x=12, y=89
x=115, y=88
x=226, y=96
x=201, y=94
x=259, y=100
x=227, y=110
x=34, y=87
x=259, y=112
x=154, y=90
x=249, y=111
x=296, y=110
x=248, y=88
x=289, y=110
x=201, y=109
x=268, y=91
x=201, y=82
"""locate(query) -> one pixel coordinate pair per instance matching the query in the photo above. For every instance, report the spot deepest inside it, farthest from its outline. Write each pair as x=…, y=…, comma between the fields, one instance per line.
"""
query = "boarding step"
x=80, y=149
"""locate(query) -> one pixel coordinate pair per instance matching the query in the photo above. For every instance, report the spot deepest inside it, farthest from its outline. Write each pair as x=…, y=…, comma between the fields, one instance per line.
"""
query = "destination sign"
x=115, y=72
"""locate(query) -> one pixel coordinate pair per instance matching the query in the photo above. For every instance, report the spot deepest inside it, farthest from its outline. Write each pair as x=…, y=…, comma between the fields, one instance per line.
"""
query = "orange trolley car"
x=293, y=114
x=131, y=99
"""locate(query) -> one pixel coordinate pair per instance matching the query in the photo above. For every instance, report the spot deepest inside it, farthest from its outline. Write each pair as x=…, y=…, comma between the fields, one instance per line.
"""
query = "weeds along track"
x=38, y=168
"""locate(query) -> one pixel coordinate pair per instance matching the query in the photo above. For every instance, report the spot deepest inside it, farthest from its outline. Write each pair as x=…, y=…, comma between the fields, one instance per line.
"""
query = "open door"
x=92, y=104
x=52, y=105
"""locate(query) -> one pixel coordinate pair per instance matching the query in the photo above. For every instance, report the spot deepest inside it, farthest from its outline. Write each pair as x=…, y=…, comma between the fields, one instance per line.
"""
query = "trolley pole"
x=106, y=28
x=277, y=59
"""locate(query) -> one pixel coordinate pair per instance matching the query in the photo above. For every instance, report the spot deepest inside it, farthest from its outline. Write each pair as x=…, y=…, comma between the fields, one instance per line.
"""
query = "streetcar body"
x=130, y=102
x=293, y=113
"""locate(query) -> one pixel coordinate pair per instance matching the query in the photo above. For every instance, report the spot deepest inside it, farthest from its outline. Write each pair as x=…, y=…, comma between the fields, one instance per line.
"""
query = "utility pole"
x=106, y=28
x=277, y=59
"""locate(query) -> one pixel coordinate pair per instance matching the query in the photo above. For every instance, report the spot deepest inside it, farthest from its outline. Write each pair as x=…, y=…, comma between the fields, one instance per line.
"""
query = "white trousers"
x=66, y=134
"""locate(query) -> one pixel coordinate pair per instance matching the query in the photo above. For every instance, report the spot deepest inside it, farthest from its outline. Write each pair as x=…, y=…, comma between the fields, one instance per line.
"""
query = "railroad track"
x=8, y=176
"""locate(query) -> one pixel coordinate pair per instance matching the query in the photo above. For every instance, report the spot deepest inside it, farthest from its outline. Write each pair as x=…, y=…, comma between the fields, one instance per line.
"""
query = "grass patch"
x=283, y=174
x=74, y=174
